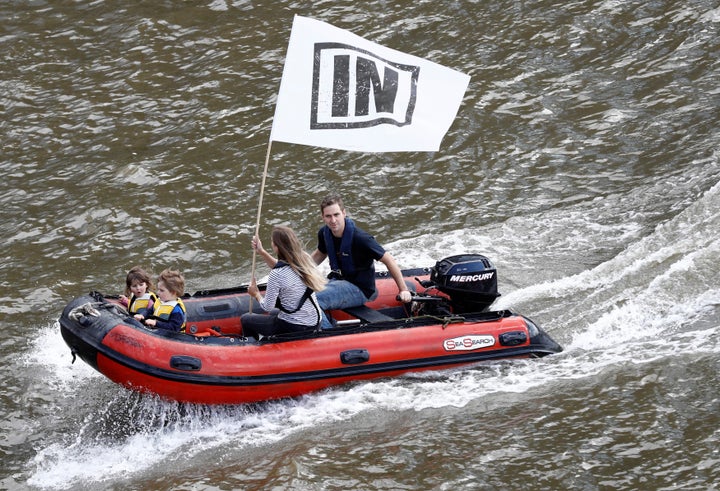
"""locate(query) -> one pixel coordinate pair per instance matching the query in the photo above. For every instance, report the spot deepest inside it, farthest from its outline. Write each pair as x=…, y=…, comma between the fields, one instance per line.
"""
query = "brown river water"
x=584, y=161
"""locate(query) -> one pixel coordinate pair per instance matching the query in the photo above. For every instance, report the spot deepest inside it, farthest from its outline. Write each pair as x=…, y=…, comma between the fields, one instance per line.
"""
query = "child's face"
x=163, y=293
x=138, y=288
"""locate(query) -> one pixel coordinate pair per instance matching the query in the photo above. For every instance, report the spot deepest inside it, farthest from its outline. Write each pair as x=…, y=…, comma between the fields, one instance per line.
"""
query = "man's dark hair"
x=333, y=199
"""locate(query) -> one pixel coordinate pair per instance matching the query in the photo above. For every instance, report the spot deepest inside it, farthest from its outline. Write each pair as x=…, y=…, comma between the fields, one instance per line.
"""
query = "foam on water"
x=644, y=300
x=656, y=298
x=639, y=305
x=49, y=351
x=164, y=431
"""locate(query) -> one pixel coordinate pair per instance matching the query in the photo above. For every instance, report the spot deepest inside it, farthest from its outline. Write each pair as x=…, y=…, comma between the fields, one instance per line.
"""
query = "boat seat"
x=365, y=313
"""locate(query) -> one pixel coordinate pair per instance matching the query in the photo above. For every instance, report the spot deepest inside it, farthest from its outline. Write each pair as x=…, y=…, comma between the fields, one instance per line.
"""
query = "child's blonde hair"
x=174, y=281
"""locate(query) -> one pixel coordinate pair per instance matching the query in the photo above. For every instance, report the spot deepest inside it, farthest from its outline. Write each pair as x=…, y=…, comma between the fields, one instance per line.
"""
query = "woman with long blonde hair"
x=291, y=288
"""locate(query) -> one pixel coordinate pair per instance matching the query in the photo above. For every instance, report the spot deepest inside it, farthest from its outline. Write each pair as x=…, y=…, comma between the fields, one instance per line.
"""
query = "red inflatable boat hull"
x=214, y=364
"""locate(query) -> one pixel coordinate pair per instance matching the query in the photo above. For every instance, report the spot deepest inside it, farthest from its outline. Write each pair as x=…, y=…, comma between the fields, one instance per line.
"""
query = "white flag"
x=341, y=91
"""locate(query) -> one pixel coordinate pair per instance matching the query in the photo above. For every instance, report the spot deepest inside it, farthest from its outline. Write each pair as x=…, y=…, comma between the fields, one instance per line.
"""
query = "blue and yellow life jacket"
x=163, y=310
x=136, y=304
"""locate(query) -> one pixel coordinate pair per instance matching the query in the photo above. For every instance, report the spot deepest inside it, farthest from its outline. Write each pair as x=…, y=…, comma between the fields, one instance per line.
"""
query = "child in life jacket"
x=138, y=291
x=169, y=312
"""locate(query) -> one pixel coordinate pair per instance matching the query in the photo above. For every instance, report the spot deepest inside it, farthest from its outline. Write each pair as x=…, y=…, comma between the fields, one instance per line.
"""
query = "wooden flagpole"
x=259, y=212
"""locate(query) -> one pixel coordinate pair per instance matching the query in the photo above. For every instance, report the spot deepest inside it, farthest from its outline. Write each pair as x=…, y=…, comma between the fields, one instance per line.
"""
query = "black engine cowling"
x=469, y=279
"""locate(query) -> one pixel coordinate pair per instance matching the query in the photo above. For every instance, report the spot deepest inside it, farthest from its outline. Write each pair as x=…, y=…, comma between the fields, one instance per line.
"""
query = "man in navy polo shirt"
x=352, y=253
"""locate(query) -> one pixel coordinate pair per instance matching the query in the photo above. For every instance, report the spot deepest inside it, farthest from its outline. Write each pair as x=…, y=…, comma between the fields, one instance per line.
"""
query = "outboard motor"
x=469, y=279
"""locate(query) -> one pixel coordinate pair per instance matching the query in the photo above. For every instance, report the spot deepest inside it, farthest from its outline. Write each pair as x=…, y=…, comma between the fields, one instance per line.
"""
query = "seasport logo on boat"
x=459, y=278
x=469, y=342
x=353, y=88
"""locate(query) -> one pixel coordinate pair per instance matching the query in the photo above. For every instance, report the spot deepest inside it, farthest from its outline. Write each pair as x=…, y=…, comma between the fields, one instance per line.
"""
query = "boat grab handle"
x=186, y=363
x=354, y=356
